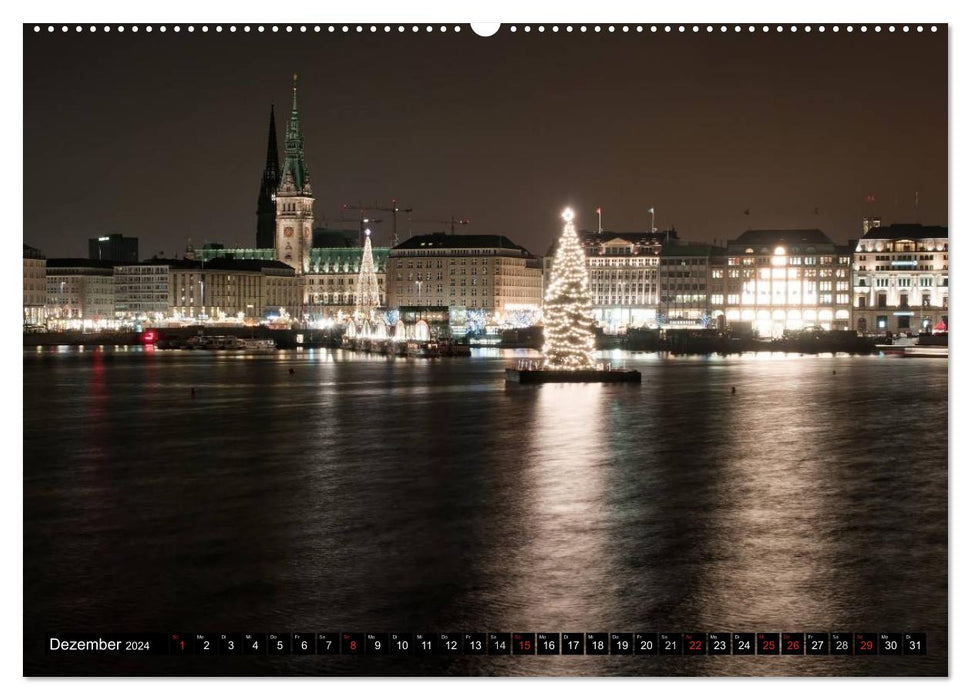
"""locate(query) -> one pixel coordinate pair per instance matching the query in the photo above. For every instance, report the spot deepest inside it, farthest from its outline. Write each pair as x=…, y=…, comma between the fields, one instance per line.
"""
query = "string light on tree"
x=568, y=317
x=368, y=295
x=477, y=321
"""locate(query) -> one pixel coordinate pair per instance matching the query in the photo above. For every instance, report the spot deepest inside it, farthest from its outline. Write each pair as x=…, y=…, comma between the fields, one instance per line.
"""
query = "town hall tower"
x=294, y=199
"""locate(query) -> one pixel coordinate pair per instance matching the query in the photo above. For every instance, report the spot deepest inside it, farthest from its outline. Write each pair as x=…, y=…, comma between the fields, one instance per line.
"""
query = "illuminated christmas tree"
x=568, y=319
x=368, y=297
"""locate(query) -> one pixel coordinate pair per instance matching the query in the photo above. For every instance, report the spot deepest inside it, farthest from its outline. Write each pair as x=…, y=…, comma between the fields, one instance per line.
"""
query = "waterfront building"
x=328, y=288
x=683, y=281
x=900, y=279
x=141, y=291
x=265, y=206
x=35, y=286
x=80, y=293
x=483, y=280
x=623, y=269
x=331, y=285
x=113, y=248
x=294, y=199
x=225, y=289
x=772, y=281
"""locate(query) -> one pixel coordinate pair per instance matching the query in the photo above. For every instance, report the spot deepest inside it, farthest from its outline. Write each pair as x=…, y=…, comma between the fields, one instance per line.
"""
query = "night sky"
x=163, y=137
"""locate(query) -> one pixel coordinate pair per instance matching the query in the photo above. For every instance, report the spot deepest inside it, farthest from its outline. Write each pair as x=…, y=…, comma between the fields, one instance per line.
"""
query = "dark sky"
x=163, y=136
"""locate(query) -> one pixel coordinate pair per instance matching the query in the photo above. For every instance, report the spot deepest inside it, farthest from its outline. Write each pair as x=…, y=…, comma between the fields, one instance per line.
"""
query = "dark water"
x=366, y=494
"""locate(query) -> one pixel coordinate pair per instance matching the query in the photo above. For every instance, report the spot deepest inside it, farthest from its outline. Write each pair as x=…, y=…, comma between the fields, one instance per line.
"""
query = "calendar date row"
x=499, y=643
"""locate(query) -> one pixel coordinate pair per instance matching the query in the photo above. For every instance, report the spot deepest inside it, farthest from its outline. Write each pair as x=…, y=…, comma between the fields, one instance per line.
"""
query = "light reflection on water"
x=378, y=494
x=563, y=510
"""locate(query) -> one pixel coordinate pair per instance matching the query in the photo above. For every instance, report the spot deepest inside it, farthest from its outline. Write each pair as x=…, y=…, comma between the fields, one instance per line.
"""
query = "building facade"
x=80, y=293
x=142, y=291
x=683, y=281
x=773, y=281
x=489, y=277
x=327, y=290
x=900, y=279
x=227, y=289
x=113, y=248
x=35, y=287
x=330, y=287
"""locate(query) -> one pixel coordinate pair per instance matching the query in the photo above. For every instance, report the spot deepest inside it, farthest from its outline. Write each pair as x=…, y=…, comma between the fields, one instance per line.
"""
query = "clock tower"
x=294, y=200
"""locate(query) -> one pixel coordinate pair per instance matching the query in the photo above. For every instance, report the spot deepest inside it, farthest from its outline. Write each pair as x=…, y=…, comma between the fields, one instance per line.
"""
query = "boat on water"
x=926, y=351
x=896, y=346
x=407, y=348
x=923, y=345
x=928, y=345
x=380, y=346
x=230, y=342
x=415, y=348
x=256, y=344
x=450, y=348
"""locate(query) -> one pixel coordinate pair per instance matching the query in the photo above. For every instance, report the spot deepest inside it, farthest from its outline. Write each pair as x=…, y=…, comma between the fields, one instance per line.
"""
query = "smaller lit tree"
x=367, y=297
x=476, y=321
x=568, y=317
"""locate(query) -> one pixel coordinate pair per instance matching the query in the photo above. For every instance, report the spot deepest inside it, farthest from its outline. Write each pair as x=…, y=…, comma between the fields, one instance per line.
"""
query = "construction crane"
x=364, y=224
x=451, y=222
x=394, y=209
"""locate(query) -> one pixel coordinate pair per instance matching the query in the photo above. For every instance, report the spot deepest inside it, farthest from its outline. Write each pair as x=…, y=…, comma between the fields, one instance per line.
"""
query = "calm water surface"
x=366, y=494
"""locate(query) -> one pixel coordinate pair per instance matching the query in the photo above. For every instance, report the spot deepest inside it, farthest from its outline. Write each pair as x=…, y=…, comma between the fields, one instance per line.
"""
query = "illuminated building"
x=80, y=293
x=330, y=287
x=623, y=273
x=683, y=281
x=330, y=283
x=35, y=286
x=774, y=281
x=142, y=291
x=900, y=279
x=469, y=274
x=226, y=289
x=113, y=248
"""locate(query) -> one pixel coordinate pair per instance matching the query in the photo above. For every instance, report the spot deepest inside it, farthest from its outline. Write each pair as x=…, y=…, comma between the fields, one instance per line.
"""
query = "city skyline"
x=501, y=133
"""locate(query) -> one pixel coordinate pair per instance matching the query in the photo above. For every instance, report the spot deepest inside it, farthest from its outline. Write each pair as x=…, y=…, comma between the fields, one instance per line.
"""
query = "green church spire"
x=295, y=173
